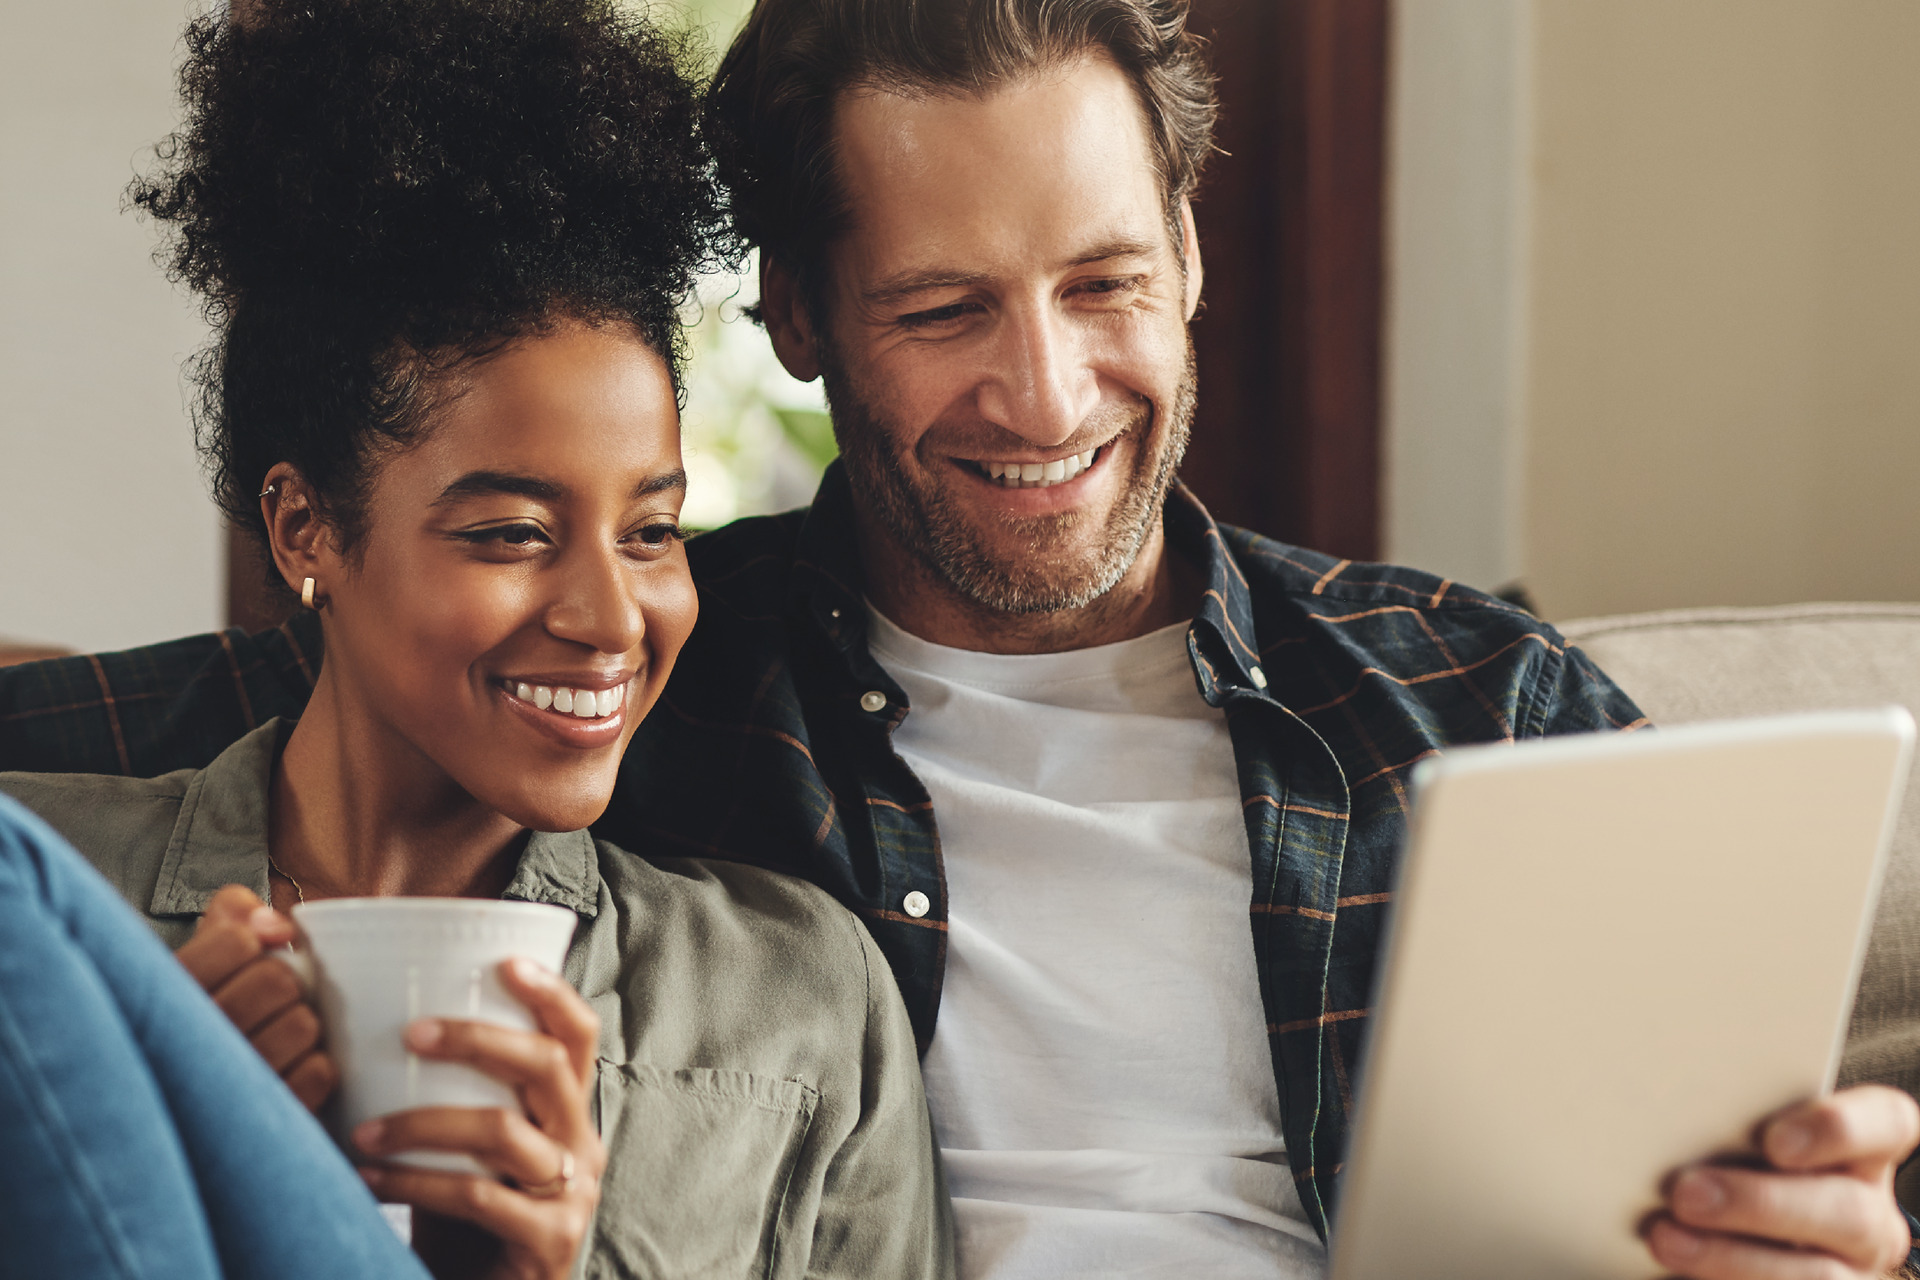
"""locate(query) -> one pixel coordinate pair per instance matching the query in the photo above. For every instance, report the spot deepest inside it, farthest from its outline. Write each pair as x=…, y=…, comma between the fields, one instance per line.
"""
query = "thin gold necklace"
x=299, y=898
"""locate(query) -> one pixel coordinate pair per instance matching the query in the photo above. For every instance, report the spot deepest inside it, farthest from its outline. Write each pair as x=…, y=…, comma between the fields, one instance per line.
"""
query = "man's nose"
x=1041, y=386
x=597, y=604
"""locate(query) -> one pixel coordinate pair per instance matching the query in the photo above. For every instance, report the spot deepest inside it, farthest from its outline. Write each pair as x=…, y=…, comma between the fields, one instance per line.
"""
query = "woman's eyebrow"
x=675, y=479
x=477, y=483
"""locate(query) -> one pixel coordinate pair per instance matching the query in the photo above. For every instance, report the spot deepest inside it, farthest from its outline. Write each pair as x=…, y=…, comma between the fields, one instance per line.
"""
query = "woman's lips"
x=582, y=704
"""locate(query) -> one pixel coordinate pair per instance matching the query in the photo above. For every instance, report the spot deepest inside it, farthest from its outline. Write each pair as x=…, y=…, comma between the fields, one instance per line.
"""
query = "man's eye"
x=1124, y=284
x=939, y=315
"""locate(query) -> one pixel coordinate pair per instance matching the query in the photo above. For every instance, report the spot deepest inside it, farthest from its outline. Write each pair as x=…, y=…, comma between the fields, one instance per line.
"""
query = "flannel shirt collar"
x=827, y=586
x=220, y=838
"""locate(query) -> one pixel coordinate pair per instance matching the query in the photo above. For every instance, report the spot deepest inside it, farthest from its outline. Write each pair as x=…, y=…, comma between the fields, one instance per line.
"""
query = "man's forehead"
x=1059, y=158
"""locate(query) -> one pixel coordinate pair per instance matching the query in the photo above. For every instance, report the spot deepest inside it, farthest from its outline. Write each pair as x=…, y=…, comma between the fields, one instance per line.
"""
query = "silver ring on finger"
x=558, y=1185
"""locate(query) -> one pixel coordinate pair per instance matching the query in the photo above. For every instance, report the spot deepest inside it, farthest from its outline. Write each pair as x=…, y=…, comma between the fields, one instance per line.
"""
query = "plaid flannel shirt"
x=1335, y=677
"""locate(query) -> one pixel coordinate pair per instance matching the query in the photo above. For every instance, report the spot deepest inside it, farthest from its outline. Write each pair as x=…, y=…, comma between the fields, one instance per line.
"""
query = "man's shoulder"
x=746, y=565
x=1318, y=581
x=156, y=708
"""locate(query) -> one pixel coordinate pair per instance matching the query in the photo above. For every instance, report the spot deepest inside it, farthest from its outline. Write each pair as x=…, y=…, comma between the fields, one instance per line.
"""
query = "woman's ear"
x=789, y=326
x=298, y=536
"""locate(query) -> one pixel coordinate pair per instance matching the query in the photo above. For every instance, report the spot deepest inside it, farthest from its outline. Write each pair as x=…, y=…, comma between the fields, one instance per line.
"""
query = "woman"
x=445, y=241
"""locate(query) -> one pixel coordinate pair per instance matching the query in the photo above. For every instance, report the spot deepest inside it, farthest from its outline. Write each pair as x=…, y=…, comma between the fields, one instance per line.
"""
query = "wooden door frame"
x=1292, y=230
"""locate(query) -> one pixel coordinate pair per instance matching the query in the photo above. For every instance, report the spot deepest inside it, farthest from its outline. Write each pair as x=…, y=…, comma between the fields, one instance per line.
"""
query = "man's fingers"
x=501, y=1140
x=537, y=1065
x=559, y=1010
x=1867, y=1125
x=1852, y=1220
x=287, y=1037
x=313, y=1080
x=259, y=992
x=1703, y=1256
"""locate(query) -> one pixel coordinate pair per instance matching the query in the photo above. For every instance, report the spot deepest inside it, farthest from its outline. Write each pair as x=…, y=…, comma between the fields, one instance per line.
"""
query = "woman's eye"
x=504, y=535
x=660, y=535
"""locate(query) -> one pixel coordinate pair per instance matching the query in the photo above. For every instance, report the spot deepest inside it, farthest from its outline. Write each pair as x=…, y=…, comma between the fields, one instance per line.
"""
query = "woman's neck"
x=357, y=810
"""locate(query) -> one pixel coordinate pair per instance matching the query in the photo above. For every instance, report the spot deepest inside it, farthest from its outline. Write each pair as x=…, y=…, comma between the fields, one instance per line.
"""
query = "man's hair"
x=770, y=111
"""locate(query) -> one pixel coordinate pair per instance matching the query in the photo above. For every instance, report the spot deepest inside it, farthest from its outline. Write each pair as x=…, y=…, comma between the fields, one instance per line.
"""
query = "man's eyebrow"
x=906, y=283
x=479, y=483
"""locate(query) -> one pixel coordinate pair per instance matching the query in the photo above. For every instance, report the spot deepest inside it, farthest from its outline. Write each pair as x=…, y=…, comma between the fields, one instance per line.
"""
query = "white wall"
x=1655, y=300
x=110, y=537
x=1456, y=305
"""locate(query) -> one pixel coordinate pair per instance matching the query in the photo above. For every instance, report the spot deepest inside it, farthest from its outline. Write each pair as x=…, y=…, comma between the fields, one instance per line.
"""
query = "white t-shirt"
x=1099, y=1076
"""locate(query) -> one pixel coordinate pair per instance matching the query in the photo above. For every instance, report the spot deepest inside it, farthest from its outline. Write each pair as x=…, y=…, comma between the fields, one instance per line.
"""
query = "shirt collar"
x=827, y=585
x=220, y=838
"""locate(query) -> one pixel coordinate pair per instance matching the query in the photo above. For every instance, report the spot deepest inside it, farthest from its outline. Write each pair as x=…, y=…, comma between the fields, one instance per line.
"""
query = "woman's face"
x=521, y=590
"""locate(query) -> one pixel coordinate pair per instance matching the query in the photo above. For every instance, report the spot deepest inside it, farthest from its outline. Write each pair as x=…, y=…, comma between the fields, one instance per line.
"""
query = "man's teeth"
x=584, y=704
x=1038, y=475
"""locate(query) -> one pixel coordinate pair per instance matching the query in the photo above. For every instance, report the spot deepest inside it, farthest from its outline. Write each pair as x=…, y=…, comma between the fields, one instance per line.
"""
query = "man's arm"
x=148, y=711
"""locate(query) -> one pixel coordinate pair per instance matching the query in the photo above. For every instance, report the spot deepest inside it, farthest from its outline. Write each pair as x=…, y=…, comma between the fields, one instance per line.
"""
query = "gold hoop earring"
x=306, y=594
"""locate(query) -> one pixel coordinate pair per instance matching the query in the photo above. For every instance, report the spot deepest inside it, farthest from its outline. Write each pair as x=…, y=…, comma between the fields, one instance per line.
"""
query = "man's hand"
x=227, y=957
x=1823, y=1211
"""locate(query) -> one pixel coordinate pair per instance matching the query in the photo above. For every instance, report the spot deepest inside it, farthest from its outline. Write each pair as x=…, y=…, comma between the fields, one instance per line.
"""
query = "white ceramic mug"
x=376, y=964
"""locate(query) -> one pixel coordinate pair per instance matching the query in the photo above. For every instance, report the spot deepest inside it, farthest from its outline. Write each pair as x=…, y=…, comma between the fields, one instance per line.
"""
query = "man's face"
x=1005, y=347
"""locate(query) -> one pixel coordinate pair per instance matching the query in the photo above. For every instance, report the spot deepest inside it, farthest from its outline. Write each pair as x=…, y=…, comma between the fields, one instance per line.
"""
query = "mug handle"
x=298, y=959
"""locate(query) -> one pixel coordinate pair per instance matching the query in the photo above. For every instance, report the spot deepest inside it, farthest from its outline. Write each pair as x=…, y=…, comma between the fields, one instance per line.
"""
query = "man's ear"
x=789, y=325
x=1190, y=247
x=298, y=536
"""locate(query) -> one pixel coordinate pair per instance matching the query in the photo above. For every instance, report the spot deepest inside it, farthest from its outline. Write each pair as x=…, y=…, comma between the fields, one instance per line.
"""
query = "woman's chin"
x=560, y=807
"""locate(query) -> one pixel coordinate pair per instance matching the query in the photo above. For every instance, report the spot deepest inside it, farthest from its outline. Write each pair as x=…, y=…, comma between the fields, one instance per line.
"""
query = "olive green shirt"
x=758, y=1093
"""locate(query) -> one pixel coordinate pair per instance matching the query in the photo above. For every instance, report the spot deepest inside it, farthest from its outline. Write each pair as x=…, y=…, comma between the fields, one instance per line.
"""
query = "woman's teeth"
x=1038, y=475
x=584, y=704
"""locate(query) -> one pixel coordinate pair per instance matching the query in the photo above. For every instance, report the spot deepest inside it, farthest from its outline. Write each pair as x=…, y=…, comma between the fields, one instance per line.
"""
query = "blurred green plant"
x=755, y=440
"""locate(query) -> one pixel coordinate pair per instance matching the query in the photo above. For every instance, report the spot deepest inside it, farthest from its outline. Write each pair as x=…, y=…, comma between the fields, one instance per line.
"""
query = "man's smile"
x=1037, y=475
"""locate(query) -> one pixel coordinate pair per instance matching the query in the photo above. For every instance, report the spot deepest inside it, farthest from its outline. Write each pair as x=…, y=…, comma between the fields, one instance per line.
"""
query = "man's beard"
x=1042, y=576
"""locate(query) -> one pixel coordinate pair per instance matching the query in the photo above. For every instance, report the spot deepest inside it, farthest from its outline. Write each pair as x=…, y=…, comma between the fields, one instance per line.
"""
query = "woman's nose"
x=599, y=605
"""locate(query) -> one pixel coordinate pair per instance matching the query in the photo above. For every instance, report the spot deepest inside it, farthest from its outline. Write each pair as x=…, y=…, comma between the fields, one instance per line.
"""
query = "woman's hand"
x=552, y=1155
x=227, y=957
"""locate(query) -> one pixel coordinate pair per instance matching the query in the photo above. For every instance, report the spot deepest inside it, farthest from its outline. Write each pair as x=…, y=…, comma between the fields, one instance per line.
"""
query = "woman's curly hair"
x=369, y=194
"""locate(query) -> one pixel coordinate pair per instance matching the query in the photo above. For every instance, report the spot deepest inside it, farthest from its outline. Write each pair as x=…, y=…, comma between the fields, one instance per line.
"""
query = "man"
x=1007, y=690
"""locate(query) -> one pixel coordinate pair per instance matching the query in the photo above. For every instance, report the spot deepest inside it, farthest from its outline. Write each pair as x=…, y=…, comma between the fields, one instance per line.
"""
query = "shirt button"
x=833, y=613
x=1259, y=677
x=916, y=904
x=873, y=700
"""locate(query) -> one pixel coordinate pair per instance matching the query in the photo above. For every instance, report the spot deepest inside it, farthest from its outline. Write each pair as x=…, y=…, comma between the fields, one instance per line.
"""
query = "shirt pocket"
x=699, y=1171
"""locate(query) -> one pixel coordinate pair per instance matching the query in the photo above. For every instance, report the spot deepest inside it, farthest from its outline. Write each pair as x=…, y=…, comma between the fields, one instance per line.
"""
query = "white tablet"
x=1608, y=955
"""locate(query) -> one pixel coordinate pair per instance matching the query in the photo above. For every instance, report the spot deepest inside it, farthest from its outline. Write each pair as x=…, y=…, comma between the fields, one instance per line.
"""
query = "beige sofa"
x=1710, y=664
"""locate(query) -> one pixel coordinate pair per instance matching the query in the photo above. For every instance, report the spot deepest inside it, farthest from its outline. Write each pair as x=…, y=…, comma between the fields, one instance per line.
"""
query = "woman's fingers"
x=287, y=1037
x=538, y=1065
x=559, y=1010
x=501, y=1140
x=312, y=1079
x=232, y=933
x=551, y=1231
x=260, y=992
